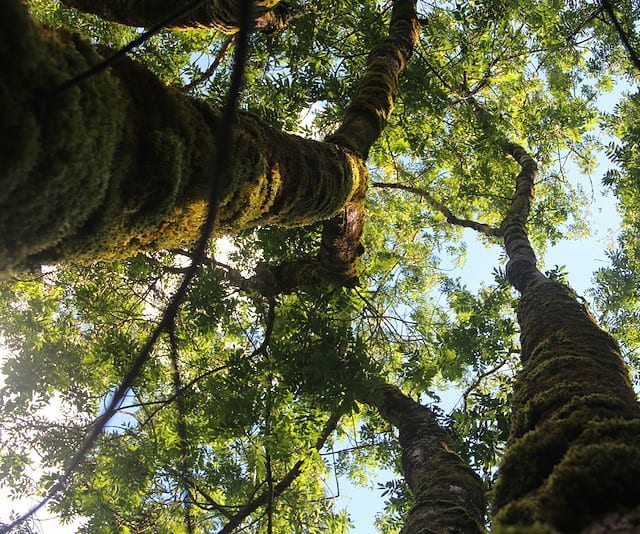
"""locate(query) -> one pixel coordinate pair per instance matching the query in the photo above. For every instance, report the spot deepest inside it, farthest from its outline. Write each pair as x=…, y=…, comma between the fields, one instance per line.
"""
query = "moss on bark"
x=121, y=163
x=220, y=14
x=574, y=449
x=449, y=495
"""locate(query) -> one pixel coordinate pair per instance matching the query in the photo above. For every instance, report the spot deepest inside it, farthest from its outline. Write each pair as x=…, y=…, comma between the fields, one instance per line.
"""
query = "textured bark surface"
x=449, y=495
x=220, y=14
x=365, y=118
x=369, y=110
x=573, y=456
x=521, y=268
x=574, y=450
x=121, y=163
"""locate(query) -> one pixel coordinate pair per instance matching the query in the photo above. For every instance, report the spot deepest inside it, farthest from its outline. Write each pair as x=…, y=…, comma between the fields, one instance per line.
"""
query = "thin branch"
x=284, y=483
x=624, y=36
x=482, y=228
x=213, y=67
x=478, y=380
x=183, y=435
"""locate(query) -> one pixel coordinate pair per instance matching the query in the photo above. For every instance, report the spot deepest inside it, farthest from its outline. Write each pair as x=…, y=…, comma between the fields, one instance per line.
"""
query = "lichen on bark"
x=449, y=495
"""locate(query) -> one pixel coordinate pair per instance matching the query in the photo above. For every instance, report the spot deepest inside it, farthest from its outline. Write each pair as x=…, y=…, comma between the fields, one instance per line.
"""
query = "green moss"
x=121, y=163
x=57, y=167
x=574, y=448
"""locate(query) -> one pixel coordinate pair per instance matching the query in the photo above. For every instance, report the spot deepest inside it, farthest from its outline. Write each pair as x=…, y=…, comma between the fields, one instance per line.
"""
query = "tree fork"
x=365, y=118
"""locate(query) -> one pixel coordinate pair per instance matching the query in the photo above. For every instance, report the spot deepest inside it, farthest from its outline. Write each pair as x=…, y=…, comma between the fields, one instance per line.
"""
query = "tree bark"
x=121, y=163
x=573, y=455
x=449, y=495
x=220, y=14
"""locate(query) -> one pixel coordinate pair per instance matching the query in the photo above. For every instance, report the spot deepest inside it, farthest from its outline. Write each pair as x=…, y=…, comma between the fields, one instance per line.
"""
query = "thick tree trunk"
x=449, y=495
x=220, y=14
x=121, y=163
x=574, y=449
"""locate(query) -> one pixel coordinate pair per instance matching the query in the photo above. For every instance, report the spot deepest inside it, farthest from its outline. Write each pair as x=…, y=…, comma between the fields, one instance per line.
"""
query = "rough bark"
x=365, y=118
x=449, y=495
x=574, y=449
x=573, y=456
x=220, y=14
x=121, y=163
x=367, y=114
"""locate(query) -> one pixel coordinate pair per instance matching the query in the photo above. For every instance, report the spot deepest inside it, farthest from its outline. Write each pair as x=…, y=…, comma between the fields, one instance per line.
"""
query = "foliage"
x=242, y=391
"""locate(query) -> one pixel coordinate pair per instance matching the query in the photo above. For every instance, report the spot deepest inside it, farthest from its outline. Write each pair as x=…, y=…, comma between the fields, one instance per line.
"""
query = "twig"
x=122, y=52
x=284, y=483
x=213, y=67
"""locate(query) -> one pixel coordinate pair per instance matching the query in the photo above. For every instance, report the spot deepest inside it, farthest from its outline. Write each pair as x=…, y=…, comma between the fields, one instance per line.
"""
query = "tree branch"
x=624, y=36
x=213, y=67
x=285, y=482
x=224, y=15
x=482, y=228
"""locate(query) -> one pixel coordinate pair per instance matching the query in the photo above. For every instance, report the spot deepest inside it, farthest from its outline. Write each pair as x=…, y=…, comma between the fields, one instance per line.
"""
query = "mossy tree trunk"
x=121, y=163
x=449, y=495
x=220, y=14
x=573, y=457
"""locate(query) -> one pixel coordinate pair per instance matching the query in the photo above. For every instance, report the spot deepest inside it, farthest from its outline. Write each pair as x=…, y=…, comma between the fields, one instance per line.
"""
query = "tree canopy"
x=217, y=296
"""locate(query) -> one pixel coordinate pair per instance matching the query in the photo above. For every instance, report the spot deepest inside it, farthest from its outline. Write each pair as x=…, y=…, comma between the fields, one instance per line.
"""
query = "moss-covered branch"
x=449, y=495
x=121, y=163
x=365, y=118
x=220, y=14
x=367, y=114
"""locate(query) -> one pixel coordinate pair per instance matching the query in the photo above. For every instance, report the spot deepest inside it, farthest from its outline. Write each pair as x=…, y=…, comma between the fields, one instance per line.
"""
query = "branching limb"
x=285, y=482
x=482, y=228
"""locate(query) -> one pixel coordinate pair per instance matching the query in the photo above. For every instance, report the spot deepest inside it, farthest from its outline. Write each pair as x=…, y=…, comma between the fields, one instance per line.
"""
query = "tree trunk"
x=220, y=14
x=449, y=495
x=574, y=449
x=120, y=163
x=573, y=457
